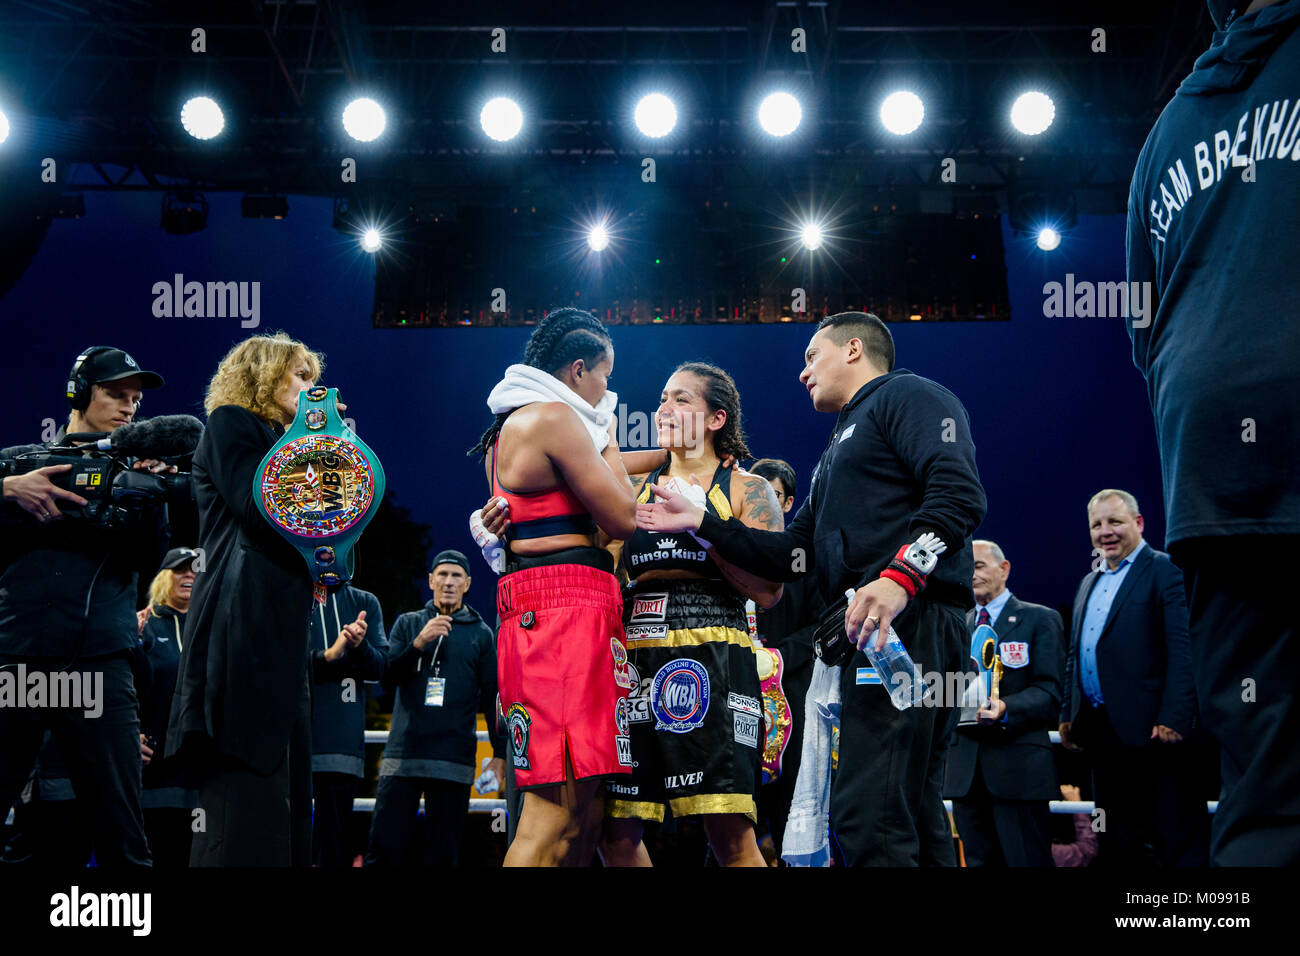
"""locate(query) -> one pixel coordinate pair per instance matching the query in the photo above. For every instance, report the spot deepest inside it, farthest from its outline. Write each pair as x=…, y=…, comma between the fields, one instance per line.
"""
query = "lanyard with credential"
x=433, y=661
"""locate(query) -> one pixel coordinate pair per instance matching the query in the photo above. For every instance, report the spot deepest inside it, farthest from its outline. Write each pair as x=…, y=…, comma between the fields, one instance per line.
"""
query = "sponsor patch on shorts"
x=679, y=696
x=624, y=745
x=638, y=701
x=746, y=729
x=624, y=790
x=649, y=608
x=746, y=705
x=621, y=676
x=641, y=632
x=519, y=724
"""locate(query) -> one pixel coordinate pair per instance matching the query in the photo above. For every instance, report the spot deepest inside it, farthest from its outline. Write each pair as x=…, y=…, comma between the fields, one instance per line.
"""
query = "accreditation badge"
x=434, y=691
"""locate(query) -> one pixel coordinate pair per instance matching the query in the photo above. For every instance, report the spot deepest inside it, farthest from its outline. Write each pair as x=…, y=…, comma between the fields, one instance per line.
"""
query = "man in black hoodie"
x=343, y=658
x=443, y=662
x=1213, y=207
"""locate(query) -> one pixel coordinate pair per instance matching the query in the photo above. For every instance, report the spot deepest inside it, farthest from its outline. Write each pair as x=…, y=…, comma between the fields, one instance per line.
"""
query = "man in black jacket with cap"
x=442, y=660
x=67, y=616
x=900, y=466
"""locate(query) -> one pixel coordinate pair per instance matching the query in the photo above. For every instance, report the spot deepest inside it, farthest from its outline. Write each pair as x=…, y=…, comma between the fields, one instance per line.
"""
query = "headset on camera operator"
x=82, y=515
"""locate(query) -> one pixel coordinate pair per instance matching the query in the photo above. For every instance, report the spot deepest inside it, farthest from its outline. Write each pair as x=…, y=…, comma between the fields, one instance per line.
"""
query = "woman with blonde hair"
x=165, y=799
x=241, y=715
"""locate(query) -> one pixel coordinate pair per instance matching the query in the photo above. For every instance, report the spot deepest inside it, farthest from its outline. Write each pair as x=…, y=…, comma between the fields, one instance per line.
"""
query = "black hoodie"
x=440, y=742
x=1213, y=212
x=338, y=709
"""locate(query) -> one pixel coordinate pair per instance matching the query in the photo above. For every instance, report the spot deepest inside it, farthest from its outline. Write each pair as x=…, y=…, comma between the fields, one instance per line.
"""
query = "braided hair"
x=559, y=340
x=720, y=392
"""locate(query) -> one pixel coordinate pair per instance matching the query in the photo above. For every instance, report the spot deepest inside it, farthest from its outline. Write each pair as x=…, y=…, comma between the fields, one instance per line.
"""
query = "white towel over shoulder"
x=524, y=384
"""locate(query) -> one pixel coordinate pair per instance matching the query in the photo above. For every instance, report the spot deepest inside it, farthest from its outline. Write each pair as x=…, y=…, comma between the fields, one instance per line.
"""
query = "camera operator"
x=68, y=589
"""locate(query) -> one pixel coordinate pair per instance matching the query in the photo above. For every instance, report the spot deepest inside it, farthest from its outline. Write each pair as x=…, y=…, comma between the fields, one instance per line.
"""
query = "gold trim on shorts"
x=694, y=637
x=706, y=803
x=634, y=810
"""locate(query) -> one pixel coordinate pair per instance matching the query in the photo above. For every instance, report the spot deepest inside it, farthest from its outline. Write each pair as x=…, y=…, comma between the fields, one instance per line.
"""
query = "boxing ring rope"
x=489, y=805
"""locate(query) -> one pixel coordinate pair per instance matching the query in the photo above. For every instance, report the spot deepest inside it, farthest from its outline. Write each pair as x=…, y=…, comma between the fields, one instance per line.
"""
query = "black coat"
x=1016, y=757
x=160, y=652
x=1144, y=660
x=243, y=671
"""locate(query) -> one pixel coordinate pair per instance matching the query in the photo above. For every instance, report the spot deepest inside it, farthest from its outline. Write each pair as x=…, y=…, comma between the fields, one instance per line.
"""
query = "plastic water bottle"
x=898, y=673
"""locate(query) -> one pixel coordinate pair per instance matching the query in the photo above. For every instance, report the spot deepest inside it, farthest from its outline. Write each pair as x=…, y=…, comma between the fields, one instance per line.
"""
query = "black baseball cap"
x=179, y=557
x=111, y=365
x=450, y=557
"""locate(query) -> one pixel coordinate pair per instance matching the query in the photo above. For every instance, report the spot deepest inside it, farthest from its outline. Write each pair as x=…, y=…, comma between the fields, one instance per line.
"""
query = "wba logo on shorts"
x=648, y=608
x=679, y=696
x=518, y=722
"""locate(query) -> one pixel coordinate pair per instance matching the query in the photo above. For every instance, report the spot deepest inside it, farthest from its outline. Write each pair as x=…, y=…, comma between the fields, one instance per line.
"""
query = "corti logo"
x=649, y=607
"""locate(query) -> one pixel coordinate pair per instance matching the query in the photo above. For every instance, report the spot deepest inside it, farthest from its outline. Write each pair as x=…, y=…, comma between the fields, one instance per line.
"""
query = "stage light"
x=1048, y=239
x=811, y=236
x=655, y=115
x=364, y=119
x=902, y=112
x=779, y=114
x=371, y=240
x=202, y=117
x=1032, y=112
x=4, y=127
x=502, y=119
x=184, y=213
x=597, y=237
x=263, y=207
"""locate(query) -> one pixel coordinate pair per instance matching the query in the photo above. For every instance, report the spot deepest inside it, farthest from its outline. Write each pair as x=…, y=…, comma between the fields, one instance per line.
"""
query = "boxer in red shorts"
x=551, y=454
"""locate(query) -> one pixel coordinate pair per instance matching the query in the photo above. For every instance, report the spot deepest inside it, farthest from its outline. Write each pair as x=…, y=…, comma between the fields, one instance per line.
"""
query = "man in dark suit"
x=1000, y=774
x=1129, y=697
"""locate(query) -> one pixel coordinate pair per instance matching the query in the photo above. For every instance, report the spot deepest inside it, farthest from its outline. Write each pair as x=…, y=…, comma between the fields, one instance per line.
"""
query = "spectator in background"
x=166, y=801
x=787, y=629
x=1129, y=699
x=1084, y=848
x=343, y=657
x=442, y=660
x=1000, y=774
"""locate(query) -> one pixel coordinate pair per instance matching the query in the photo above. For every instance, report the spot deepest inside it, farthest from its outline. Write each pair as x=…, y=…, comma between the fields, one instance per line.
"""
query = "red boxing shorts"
x=562, y=671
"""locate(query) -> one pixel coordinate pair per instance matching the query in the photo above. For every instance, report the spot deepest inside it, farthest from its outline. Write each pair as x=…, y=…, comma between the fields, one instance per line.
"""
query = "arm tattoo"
x=761, y=507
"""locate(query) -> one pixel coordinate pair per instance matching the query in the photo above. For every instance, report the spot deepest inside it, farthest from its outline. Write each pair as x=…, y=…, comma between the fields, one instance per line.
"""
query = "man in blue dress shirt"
x=1129, y=699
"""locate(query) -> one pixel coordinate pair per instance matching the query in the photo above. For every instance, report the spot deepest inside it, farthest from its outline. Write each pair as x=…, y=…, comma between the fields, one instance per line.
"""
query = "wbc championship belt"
x=319, y=486
x=776, y=711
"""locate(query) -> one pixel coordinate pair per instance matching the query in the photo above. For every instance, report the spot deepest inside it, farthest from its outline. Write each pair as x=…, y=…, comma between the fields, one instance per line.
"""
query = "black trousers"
x=1246, y=662
x=332, y=795
x=397, y=807
x=1154, y=810
x=886, y=798
x=998, y=833
x=251, y=819
x=102, y=753
x=170, y=836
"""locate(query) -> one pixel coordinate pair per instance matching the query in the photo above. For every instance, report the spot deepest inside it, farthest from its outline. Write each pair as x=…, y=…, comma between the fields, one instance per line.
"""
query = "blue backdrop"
x=1057, y=408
